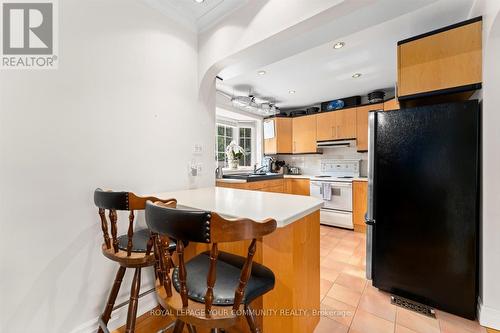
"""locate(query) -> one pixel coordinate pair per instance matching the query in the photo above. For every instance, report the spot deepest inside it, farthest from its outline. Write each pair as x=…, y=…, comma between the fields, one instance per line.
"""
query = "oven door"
x=341, y=195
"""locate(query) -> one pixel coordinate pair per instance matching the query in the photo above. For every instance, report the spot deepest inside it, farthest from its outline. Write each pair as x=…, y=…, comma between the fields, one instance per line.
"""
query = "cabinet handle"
x=333, y=135
x=337, y=133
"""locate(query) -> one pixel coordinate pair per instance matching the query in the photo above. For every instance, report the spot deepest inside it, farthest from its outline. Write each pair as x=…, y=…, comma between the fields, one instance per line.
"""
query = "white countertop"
x=312, y=176
x=298, y=176
x=255, y=205
x=362, y=179
x=231, y=180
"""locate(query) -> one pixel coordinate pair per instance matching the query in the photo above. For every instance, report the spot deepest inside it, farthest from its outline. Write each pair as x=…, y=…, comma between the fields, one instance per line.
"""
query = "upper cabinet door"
x=281, y=143
x=362, y=124
x=326, y=126
x=448, y=60
x=271, y=144
x=336, y=125
x=346, y=124
x=284, y=137
x=304, y=134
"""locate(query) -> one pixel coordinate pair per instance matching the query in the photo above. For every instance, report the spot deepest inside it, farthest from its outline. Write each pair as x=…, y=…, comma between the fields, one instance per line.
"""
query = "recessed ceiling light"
x=338, y=45
x=356, y=75
x=261, y=72
x=291, y=91
x=199, y=1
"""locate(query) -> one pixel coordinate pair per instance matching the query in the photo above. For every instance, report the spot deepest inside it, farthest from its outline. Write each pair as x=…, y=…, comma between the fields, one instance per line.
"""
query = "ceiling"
x=228, y=113
x=323, y=73
x=201, y=16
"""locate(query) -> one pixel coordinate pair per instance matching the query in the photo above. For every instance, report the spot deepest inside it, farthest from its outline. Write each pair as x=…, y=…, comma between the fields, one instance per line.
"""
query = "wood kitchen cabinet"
x=346, y=124
x=362, y=124
x=281, y=143
x=272, y=185
x=325, y=126
x=359, y=204
x=443, y=61
x=297, y=186
x=304, y=134
x=278, y=188
x=391, y=105
x=336, y=125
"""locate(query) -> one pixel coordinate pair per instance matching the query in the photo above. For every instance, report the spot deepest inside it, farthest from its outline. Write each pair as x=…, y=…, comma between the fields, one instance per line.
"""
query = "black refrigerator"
x=423, y=204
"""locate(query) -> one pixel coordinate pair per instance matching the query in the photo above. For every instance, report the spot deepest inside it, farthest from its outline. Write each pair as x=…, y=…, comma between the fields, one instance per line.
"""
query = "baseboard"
x=488, y=317
x=119, y=316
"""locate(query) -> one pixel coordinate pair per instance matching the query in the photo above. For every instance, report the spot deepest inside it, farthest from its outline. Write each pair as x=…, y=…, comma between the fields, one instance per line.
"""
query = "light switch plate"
x=197, y=148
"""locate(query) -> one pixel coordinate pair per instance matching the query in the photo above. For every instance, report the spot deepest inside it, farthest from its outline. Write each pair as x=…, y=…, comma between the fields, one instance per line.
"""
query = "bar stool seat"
x=140, y=241
x=228, y=271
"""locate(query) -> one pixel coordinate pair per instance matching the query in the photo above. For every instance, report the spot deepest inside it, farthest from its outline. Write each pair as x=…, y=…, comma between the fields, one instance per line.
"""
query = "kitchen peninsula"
x=291, y=252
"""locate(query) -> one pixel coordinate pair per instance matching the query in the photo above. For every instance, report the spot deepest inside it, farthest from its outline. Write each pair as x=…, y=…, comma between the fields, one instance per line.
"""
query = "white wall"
x=490, y=196
x=123, y=112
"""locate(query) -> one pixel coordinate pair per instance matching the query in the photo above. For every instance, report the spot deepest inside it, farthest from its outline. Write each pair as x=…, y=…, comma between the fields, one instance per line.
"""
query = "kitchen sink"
x=254, y=177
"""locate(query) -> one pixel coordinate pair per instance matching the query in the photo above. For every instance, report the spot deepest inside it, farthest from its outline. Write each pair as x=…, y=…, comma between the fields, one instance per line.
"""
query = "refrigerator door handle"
x=369, y=216
x=369, y=221
x=371, y=163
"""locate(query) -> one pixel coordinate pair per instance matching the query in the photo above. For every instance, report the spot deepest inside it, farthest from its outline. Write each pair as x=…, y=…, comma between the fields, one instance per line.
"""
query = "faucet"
x=258, y=170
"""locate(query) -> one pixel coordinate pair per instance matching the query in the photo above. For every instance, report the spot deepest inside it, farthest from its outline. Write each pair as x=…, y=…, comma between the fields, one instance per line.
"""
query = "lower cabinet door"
x=359, y=204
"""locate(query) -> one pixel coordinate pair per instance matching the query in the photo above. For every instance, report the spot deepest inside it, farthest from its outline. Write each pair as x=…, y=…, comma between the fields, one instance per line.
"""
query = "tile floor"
x=351, y=304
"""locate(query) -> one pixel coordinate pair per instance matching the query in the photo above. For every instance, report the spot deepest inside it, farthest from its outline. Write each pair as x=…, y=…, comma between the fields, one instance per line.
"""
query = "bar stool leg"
x=251, y=320
x=134, y=300
x=179, y=326
x=112, y=297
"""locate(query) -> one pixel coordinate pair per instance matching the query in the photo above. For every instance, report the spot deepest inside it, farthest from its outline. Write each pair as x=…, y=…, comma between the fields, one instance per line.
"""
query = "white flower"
x=233, y=150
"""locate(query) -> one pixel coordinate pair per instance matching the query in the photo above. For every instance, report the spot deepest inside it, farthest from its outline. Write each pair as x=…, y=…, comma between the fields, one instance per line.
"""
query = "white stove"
x=334, y=186
x=343, y=170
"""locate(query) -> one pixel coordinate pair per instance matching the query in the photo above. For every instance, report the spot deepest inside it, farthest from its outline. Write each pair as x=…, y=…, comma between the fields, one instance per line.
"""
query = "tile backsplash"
x=310, y=164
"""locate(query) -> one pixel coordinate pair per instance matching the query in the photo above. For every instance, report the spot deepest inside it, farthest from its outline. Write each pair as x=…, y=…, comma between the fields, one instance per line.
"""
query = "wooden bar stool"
x=132, y=250
x=220, y=285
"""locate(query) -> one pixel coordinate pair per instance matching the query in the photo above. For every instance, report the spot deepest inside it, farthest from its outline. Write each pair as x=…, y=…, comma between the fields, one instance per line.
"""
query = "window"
x=244, y=136
x=245, y=142
x=225, y=134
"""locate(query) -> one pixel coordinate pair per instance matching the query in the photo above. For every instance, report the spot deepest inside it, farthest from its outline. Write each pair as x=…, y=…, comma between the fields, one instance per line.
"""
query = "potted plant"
x=234, y=153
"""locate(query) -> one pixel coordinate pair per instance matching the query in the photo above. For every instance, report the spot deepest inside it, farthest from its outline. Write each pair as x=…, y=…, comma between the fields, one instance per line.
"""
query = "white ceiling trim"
x=197, y=17
x=174, y=13
x=217, y=14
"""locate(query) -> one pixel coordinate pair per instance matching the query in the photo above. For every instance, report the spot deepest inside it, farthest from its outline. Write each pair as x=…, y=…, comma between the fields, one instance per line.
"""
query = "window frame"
x=251, y=158
x=236, y=138
x=232, y=138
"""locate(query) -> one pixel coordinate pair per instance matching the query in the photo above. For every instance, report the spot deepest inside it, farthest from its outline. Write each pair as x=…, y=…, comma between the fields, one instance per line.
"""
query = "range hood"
x=334, y=144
